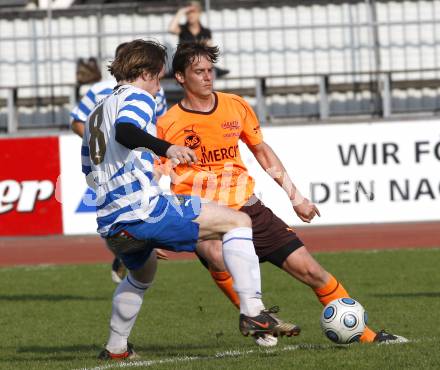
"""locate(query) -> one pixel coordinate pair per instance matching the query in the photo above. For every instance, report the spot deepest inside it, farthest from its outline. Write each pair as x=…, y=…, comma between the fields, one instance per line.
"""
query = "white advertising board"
x=355, y=173
x=78, y=218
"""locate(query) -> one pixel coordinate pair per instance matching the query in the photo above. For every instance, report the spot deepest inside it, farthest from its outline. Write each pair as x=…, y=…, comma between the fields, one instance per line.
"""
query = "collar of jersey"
x=199, y=112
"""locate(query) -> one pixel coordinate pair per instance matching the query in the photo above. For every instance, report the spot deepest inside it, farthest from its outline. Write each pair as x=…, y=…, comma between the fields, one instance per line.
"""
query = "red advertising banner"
x=29, y=168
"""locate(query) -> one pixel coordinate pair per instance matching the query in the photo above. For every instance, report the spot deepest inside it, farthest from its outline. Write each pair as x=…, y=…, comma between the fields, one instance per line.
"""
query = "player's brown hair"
x=120, y=47
x=187, y=52
x=137, y=57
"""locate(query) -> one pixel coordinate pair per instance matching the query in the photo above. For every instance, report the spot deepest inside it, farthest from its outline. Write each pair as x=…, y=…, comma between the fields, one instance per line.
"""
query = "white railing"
x=383, y=90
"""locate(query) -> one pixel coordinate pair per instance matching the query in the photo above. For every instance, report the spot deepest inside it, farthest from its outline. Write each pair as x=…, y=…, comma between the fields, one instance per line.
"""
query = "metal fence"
x=287, y=47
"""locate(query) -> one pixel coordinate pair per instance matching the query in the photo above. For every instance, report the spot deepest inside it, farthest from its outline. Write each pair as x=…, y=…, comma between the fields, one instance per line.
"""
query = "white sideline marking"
x=230, y=353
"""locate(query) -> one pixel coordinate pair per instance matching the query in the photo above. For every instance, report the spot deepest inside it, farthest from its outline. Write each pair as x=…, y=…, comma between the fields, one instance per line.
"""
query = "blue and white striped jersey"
x=93, y=96
x=102, y=89
x=121, y=178
x=161, y=102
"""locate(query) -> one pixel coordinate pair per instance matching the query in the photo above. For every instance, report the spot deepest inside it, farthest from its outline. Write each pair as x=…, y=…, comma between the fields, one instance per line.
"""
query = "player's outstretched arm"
x=270, y=162
x=133, y=137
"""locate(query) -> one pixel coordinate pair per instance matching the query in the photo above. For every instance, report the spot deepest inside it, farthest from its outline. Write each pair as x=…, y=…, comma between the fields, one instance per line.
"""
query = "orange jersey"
x=220, y=175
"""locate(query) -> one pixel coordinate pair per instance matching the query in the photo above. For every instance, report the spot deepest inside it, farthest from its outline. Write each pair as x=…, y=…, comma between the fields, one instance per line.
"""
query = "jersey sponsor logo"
x=231, y=125
x=231, y=134
x=23, y=195
x=256, y=129
x=192, y=140
x=220, y=154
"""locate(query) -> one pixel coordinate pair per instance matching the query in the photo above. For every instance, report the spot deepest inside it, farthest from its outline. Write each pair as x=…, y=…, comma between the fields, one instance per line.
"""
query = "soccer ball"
x=343, y=320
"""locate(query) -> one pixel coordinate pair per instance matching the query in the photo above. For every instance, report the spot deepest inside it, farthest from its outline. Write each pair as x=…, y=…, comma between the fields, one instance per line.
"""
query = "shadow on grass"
x=407, y=295
x=94, y=347
x=176, y=349
x=57, y=353
x=36, y=360
x=60, y=354
x=49, y=298
x=90, y=352
x=59, y=349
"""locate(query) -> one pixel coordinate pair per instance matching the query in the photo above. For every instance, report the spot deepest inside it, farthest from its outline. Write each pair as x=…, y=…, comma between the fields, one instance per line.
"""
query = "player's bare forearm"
x=270, y=162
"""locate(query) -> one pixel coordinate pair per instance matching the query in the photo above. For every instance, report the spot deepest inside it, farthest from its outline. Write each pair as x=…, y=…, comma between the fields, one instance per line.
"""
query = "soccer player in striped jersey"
x=134, y=217
x=212, y=123
x=79, y=116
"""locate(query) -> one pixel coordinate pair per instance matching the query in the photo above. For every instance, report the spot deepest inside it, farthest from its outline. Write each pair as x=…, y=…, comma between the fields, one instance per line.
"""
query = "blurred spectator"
x=87, y=71
x=192, y=30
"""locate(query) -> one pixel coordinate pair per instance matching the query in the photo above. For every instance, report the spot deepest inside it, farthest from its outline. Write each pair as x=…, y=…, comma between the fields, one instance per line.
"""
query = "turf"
x=56, y=317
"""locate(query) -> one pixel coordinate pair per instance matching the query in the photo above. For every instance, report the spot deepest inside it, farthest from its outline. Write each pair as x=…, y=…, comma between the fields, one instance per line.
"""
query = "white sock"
x=242, y=263
x=127, y=301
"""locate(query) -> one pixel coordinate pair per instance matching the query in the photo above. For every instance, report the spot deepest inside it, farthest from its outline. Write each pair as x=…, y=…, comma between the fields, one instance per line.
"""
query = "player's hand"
x=181, y=155
x=161, y=254
x=306, y=210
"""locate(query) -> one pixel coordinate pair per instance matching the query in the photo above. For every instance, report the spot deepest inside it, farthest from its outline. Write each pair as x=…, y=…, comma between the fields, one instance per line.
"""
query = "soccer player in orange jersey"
x=212, y=123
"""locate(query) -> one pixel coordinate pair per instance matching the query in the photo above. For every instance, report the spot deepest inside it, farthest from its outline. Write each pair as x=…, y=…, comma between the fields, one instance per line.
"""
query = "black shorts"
x=274, y=240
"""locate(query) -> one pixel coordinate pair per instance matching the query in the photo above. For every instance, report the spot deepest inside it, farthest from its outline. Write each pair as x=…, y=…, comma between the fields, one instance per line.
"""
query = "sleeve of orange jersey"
x=251, y=133
x=159, y=128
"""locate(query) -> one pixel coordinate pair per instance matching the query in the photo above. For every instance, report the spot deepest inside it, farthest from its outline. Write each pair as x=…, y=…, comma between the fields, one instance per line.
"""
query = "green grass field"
x=56, y=317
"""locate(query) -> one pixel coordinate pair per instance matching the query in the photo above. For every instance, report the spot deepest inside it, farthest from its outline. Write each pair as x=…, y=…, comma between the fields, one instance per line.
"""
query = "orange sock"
x=224, y=281
x=334, y=290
